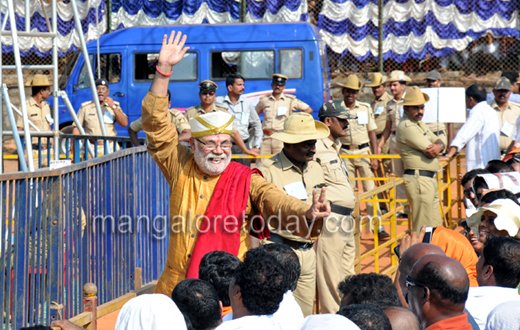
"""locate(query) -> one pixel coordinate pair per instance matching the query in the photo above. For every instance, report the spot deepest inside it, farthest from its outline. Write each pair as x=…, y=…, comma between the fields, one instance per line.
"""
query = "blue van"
x=256, y=51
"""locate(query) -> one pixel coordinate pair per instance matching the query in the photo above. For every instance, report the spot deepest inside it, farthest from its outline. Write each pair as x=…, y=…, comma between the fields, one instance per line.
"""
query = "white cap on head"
x=215, y=122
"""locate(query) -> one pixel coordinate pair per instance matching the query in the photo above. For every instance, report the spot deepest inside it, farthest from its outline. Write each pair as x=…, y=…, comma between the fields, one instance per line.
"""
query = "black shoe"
x=401, y=215
x=383, y=235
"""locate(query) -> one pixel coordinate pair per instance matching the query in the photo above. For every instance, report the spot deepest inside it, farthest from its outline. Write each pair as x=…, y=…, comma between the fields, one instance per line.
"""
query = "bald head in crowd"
x=409, y=258
x=402, y=318
x=438, y=289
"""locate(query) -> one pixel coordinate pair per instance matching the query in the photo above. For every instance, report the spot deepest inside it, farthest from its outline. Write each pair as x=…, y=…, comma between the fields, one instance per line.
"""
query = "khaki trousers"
x=423, y=194
x=398, y=169
x=270, y=146
x=306, y=289
x=363, y=166
x=335, y=258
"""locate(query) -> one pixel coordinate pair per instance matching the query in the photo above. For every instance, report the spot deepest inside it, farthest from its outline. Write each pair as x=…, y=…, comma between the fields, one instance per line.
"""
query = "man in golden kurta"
x=196, y=179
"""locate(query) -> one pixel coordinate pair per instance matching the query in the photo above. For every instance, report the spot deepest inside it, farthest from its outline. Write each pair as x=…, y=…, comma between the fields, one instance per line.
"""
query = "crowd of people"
x=249, y=246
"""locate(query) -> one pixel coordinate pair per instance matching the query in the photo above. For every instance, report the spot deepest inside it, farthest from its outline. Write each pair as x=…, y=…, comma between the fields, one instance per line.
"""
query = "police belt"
x=439, y=133
x=429, y=174
x=292, y=244
x=341, y=210
x=378, y=136
x=245, y=141
x=351, y=147
x=393, y=133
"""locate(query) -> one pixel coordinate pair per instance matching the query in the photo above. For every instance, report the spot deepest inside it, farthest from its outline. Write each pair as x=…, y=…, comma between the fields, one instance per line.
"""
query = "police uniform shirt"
x=379, y=109
x=88, y=117
x=276, y=111
x=413, y=138
x=395, y=111
x=39, y=116
x=280, y=171
x=507, y=120
x=198, y=110
x=176, y=118
x=357, y=131
x=339, y=189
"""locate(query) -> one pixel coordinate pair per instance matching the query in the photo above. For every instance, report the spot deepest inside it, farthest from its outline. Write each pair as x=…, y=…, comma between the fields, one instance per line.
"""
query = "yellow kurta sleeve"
x=271, y=201
x=163, y=140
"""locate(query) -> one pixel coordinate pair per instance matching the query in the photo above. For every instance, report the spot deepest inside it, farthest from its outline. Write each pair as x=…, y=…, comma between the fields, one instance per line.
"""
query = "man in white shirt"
x=256, y=291
x=498, y=275
x=480, y=133
x=245, y=114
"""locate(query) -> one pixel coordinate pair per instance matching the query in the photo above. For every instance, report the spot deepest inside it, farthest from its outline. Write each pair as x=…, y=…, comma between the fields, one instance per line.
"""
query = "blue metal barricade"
x=84, y=223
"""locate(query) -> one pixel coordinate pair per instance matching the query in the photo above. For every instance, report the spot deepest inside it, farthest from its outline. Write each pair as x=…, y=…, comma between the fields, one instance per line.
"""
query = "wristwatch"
x=114, y=107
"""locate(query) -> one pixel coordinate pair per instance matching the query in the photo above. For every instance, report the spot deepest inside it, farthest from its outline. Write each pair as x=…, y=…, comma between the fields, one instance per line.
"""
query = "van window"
x=145, y=63
x=256, y=64
x=290, y=63
x=110, y=69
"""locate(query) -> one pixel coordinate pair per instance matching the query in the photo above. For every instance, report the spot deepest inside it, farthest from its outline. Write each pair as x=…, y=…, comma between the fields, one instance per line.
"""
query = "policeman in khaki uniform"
x=381, y=99
x=361, y=135
x=276, y=108
x=294, y=171
x=397, y=81
x=336, y=249
x=507, y=112
x=419, y=148
x=207, y=95
x=112, y=114
x=442, y=130
x=38, y=111
x=176, y=118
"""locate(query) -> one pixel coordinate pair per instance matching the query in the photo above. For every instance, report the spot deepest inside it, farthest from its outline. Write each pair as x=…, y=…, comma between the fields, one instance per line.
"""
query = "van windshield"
x=255, y=64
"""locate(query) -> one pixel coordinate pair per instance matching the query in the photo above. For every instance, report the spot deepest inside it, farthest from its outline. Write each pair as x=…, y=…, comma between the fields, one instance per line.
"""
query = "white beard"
x=205, y=164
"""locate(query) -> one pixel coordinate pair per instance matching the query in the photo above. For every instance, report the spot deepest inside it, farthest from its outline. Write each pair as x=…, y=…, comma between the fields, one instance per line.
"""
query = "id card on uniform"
x=108, y=118
x=362, y=117
x=379, y=110
x=507, y=129
x=296, y=189
x=401, y=111
x=281, y=111
x=244, y=120
x=49, y=118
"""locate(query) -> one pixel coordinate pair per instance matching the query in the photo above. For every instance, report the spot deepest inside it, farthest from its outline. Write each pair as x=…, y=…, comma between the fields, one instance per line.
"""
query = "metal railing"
x=97, y=221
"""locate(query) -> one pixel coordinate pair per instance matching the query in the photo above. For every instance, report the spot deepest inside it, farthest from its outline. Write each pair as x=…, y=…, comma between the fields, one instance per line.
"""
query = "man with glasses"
x=207, y=95
x=437, y=289
x=419, y=148
x=214, y=203
x=112, y=114
x=276, y=108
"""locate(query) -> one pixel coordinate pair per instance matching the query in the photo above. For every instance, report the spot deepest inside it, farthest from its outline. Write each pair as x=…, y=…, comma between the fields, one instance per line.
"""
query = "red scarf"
x=221, y=226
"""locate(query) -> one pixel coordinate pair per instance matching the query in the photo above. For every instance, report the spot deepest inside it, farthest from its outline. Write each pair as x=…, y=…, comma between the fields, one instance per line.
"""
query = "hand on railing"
x=375, y=165
x=65, y=325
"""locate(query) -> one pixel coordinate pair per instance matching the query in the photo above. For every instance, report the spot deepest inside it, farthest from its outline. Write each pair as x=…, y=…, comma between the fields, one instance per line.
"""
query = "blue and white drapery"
x=68, y=40
x=127, y=13
x=413, y=28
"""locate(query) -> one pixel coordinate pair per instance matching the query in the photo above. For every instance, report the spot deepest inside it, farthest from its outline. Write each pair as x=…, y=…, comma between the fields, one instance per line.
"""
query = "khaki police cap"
x=279, y=79
x=352, y=82
x=376, y=79
x=335, y=108
x=39, y=80
x=208, y=85
x=398, y=75
x=433, y=75
x=502, y=84
x=414, y=97
x=300, y=127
